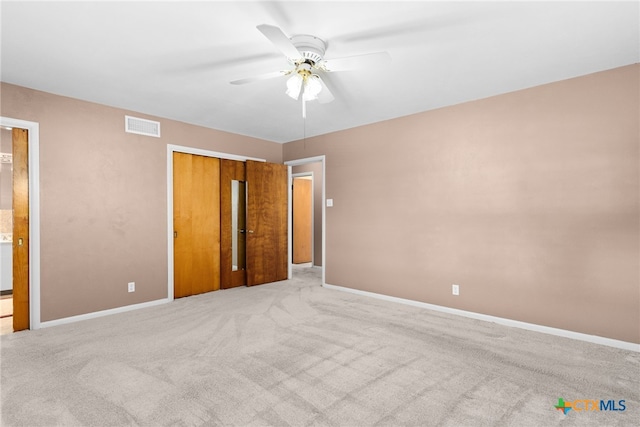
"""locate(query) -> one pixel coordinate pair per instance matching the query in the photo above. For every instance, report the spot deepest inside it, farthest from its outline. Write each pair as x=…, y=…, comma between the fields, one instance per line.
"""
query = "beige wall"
x=104, y=199
x=529, y=201
x=316, y=168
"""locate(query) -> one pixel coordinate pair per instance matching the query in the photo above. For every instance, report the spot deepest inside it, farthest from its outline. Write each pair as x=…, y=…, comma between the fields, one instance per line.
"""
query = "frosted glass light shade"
x=312, y=87
x=294, y=85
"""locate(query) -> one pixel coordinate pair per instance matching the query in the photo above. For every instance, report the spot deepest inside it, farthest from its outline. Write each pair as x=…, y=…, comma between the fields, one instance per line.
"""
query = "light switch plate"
x=329, y=203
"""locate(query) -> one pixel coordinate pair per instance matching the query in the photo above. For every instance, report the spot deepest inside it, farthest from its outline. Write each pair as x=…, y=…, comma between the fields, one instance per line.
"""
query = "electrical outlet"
x=132, y=286
x=455, y=289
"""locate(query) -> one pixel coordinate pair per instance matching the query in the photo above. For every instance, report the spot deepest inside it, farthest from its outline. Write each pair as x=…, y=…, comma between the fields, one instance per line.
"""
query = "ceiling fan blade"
x=280, y=40
x=325, y=96
x=260, y=77
x=356, y=62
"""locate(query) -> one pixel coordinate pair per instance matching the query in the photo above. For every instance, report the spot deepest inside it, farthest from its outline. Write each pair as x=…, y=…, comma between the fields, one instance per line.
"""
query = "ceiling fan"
x=306, y=55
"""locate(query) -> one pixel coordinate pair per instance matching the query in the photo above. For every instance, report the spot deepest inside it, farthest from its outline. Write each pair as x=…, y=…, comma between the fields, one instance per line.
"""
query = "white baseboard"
x=102, y=313
x=500, y=320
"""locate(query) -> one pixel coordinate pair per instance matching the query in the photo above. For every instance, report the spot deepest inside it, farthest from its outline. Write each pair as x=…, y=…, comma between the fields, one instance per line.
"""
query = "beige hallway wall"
x=104, y=199
x=529, y=201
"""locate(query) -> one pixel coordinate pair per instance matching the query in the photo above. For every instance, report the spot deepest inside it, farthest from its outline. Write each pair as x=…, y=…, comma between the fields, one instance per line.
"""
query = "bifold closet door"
x=196, y=224
x=267, y=217
x=233, y=211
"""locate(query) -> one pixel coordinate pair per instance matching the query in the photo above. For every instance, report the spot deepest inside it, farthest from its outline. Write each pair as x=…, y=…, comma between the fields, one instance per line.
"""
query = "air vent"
x=141, y=126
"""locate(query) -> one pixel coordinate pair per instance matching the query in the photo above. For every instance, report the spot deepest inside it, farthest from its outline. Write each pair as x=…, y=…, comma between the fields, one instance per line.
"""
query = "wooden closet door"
x=267, y=217
x=196, y=224
x=232, y=170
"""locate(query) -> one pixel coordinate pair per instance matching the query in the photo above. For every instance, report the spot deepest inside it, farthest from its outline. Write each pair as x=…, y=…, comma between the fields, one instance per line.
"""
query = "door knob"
x=250, y=231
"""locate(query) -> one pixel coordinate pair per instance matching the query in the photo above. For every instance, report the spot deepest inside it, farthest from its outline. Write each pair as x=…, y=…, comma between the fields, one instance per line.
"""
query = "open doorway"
x=312, y=168
x=6, y=230
x=302, y=218
x=21, y=226
x=14, y=229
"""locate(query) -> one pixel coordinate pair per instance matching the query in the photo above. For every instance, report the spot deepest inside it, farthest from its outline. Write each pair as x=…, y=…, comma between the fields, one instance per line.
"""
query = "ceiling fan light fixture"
x=312, y=87
x=294, y=85
x=306, y=53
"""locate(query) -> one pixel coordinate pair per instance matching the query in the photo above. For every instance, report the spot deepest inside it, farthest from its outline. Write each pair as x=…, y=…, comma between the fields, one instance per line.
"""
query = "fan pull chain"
x=304, y=104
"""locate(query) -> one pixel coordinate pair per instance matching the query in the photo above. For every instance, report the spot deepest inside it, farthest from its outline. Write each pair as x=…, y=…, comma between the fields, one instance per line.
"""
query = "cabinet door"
x=196, y=224
x=267, y=208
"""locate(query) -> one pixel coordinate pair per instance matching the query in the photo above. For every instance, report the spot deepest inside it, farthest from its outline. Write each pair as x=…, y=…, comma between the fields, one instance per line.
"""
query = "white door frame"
x=188, y=150
x=305, y=161
x=33, y=129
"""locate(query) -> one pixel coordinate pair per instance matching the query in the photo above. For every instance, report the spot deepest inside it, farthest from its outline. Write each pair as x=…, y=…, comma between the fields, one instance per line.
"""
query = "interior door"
x=196, y=224
x=20, y=159
x=233, y=213
x=267, y=236
x=302, y=225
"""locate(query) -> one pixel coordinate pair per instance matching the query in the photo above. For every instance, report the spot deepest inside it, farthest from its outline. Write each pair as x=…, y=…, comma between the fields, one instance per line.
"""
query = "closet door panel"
x=267, y=216
x=196, y=215
x=233, y=233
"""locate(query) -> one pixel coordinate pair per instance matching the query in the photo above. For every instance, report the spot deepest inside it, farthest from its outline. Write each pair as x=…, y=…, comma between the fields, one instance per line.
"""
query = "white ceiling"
x=176, y=59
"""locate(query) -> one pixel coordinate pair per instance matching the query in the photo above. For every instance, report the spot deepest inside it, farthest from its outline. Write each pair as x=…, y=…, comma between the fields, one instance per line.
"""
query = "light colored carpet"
x=294, y=353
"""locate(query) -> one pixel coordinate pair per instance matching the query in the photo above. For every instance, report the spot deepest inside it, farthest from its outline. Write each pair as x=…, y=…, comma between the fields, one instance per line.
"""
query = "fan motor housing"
x=311, y=47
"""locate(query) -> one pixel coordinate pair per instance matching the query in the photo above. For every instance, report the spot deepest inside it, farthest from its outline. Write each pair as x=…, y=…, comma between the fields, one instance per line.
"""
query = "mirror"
x=238, y=224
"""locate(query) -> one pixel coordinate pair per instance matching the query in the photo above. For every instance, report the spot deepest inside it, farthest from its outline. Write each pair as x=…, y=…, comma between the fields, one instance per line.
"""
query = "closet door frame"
x=187, y=150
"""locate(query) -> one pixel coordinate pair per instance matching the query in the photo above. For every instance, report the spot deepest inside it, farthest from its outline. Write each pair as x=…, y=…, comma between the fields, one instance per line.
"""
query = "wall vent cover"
x=141, y=126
